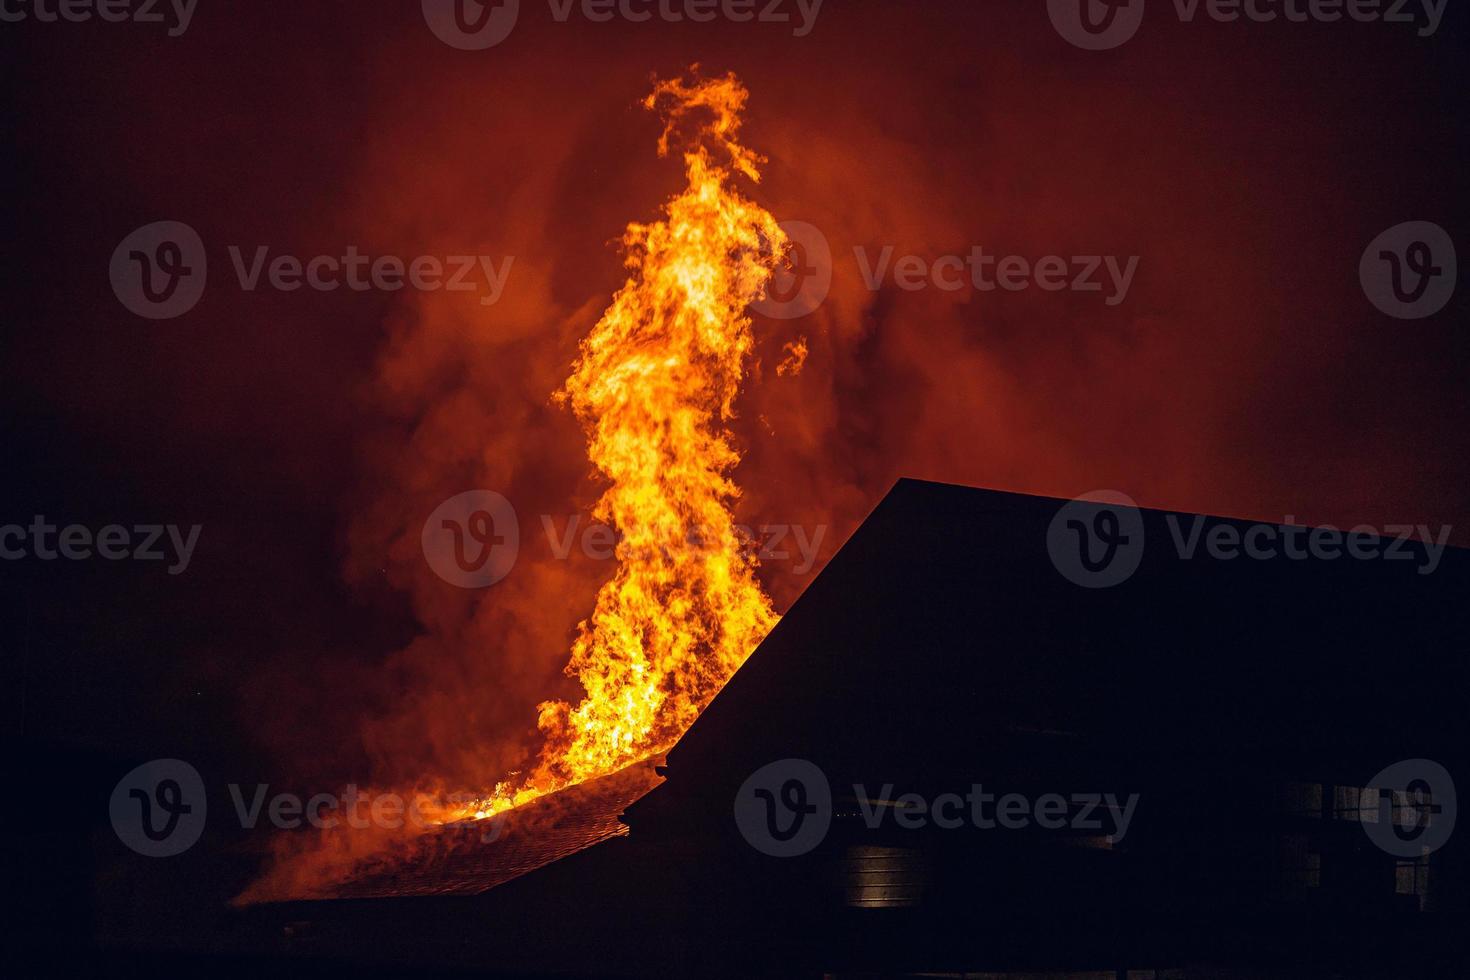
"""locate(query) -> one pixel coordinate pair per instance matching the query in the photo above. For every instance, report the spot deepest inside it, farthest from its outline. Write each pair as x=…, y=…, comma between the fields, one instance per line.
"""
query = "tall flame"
x=654, y=386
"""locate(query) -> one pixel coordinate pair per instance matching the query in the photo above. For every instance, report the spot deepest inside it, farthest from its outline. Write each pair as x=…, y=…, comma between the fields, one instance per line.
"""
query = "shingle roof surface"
x=473, y=857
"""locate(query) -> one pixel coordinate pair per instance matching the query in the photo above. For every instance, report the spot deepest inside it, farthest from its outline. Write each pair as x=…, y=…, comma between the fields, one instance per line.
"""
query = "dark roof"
x=942, y=632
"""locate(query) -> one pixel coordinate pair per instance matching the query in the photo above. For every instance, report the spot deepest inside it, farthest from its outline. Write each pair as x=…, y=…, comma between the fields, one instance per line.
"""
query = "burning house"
x=452, y=507
x=951, y=758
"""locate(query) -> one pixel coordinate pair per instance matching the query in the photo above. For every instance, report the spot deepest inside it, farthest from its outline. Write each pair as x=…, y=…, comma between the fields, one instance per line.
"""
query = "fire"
x=654, y=387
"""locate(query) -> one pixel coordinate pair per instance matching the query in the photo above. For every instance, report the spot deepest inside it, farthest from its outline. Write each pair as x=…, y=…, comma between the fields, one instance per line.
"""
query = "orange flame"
x=654, y=387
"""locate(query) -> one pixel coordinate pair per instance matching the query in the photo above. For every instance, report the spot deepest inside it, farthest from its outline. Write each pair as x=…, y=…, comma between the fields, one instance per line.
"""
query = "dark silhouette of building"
x=1244, y=705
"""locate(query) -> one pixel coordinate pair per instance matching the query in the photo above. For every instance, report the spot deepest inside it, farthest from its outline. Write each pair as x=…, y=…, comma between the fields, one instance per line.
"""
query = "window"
x=1302, y=800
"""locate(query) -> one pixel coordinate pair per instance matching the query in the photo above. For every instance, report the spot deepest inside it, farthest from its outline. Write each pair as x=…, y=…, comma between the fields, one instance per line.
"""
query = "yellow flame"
x=654, y=387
